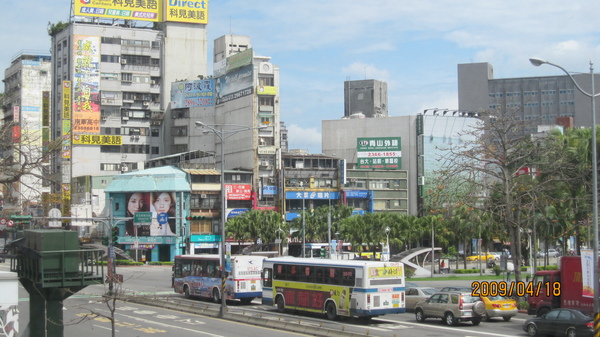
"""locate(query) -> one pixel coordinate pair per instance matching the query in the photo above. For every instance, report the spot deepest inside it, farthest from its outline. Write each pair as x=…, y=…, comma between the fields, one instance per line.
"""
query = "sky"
x=412, y=45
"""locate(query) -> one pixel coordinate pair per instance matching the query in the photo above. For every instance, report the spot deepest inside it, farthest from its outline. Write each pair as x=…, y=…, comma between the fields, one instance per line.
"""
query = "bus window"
x=266, y=276
x=319, y=275
x=293, y=273
x=348, y=277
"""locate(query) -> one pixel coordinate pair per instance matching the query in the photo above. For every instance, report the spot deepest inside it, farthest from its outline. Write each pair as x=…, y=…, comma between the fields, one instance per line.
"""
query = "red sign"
x=238, y=191
x=11, y=223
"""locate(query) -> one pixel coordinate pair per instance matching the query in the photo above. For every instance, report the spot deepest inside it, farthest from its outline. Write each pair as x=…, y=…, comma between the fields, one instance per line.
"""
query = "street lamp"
x=386, y=256
x=538, y=62
x=224, y=131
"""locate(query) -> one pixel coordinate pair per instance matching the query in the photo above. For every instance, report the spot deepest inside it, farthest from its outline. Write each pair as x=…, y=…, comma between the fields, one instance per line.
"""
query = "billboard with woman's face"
x=161, y=204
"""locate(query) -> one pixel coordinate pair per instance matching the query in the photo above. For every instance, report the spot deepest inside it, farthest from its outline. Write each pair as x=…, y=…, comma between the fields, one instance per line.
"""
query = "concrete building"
x=368, y=98
x=542, y=100
x=378, y=186
x=110, y=81
x=28, y=85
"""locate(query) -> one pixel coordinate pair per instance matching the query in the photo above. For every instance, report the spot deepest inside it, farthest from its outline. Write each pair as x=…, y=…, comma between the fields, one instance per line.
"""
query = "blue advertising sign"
x=356, y=194
x=312, y=195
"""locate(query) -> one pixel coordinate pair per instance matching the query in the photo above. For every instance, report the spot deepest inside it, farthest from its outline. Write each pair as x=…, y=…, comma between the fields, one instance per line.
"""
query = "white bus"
x=349, y=288
x=200, y=276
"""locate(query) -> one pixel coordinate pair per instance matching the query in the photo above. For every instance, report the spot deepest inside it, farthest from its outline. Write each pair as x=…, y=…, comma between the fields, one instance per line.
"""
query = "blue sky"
x=413, y=45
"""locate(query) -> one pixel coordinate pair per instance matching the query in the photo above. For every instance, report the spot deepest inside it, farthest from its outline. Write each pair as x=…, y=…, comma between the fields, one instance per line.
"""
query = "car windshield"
x=469, y=299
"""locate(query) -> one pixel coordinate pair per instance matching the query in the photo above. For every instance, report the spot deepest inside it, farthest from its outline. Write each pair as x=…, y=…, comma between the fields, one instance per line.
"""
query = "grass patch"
x=456, y=277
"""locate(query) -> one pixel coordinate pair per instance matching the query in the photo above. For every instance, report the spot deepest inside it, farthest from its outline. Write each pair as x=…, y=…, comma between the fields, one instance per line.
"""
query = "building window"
x=155, y=132
x=268, y=81
x=266, y=100
x=155, y=150
x=179, y=131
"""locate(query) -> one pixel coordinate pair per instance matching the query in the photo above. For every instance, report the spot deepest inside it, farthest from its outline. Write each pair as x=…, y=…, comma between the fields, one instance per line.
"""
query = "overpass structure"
x=416, y=258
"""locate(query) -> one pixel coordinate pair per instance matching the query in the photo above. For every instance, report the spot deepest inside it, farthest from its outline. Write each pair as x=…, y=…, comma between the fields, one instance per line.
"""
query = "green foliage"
x=467, y=271
x=54, y=29
x=497, y=270
x=409, y=272
x=549, y=267
x=522, y=305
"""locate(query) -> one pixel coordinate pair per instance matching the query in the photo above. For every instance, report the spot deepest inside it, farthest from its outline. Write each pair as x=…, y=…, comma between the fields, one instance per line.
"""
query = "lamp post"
x=538, y=62
x=386, y=256
x=329, y=224
x=304, y=228
x=224, y=131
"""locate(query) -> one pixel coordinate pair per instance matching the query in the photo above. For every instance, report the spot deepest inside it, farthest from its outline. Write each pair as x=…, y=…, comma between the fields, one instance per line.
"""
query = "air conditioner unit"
x=264, y=163
x=146, y=103
x=104, y=118
x=124, y=168
x=125, y=118
x=123, y=61
x=153, y=82
x=271, y=180
x=203, y=196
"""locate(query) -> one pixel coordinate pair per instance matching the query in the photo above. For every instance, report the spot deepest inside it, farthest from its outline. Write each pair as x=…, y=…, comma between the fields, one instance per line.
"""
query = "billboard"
x=148, y=10
x=238, y=191
x=192, y=93
x=187, y=11
x=234, y=84
x=379, y=153
x=159, y=204
x=86, y=92
x=97, y=140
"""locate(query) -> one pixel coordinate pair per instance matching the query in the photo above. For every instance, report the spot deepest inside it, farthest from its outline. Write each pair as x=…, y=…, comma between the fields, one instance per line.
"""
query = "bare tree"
x=493, y=171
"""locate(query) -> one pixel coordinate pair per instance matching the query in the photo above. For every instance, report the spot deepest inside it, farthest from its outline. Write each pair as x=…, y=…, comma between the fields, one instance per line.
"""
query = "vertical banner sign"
x=587, y=272
x=45, y=125
x=86, y=93
x=66, y=100
x=384, y=153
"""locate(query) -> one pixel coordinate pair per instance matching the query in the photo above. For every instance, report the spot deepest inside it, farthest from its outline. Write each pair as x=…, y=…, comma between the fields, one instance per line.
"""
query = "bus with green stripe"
x=336, y=288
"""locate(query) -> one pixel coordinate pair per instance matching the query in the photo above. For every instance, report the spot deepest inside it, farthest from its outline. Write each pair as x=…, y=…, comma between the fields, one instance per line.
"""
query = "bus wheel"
x=186, y=292
x=331, y=311
x=280, y=304
x=216, y=296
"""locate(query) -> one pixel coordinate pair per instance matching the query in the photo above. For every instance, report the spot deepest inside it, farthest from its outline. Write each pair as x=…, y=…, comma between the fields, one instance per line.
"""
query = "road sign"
x=142, y=218
x=3, y=221
x=162, y=218
x=11, y=223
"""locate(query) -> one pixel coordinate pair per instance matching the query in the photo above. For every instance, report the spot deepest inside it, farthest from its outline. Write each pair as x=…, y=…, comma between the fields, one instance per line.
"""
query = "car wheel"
x=531, y=330
x=331, y=311
x=449, y=319
x=476, y=321
x=507, y=318
x=571, y=332
x=420, y=316
x=216, y=296
x=280, y=304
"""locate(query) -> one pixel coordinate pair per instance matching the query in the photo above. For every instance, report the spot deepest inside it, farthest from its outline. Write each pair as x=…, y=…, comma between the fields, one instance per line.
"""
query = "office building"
x=25, y=107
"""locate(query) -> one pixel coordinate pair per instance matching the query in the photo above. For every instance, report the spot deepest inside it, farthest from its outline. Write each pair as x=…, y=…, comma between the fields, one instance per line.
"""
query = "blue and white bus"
x=200, y=276
x=348, y=288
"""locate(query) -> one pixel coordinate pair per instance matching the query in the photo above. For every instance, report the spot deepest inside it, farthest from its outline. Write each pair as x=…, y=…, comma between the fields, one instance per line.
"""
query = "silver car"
x=452, y=307
x=414, y=295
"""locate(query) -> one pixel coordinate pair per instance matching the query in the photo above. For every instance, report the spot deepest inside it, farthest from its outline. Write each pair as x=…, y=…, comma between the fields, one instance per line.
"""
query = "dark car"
x=560, y=322
x=463, y=289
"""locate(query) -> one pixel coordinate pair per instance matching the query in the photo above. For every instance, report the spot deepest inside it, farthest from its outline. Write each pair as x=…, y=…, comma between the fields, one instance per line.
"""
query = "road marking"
x=449, y=328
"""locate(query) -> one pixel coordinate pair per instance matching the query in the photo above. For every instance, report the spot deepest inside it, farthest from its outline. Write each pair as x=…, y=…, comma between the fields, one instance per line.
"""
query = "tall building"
x=368, y=98
x=26, y=104
x=541, y=100
x=111, y=87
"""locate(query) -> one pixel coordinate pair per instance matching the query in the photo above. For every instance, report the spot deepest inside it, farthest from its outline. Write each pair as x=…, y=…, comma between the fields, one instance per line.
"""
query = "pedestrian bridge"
x=416, y=258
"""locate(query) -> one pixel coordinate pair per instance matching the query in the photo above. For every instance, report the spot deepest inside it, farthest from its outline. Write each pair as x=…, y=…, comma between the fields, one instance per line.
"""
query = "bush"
x=467, y=271
x=522, y=305
x=497, y=270
x=549, y=267
x=409, y=272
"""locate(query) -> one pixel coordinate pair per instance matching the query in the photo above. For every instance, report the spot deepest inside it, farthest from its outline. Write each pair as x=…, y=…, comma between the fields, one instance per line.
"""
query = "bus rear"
x=244, y=278
x=382, y=291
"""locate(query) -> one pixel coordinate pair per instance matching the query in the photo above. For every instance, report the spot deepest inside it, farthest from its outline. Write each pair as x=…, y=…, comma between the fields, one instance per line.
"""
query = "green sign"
x=142, y=217
x=383, y=153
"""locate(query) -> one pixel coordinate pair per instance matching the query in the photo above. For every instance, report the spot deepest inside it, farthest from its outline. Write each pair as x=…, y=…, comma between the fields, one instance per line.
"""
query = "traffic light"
x=115, y=235
x=196, y=217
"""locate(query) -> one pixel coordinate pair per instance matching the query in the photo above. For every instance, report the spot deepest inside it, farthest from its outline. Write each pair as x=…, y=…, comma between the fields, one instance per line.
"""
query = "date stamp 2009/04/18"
x=510, y=289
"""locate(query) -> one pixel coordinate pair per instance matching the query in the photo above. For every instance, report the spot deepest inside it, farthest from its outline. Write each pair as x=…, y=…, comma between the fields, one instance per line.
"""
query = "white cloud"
x=304, y=138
